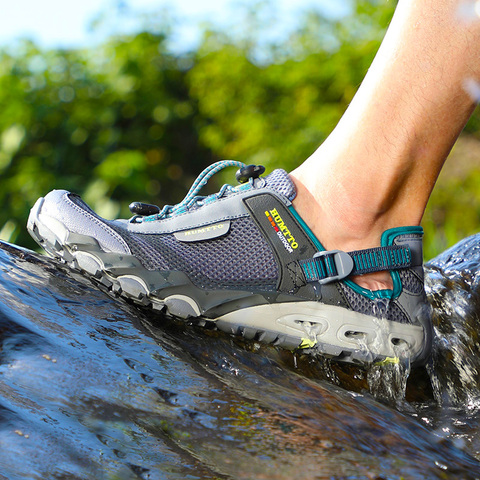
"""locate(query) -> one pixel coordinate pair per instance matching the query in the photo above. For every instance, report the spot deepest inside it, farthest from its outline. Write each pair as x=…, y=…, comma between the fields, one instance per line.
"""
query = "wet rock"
x=92, y=388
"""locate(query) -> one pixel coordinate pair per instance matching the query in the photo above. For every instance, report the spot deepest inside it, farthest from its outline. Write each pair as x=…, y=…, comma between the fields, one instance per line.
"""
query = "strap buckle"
x=338, y=267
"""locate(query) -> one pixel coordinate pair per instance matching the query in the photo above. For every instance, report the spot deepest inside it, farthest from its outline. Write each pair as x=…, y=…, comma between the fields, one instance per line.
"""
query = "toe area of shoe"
x=64, y=213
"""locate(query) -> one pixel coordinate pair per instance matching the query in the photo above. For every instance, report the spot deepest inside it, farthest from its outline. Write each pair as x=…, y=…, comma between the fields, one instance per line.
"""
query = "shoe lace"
x=193, y=198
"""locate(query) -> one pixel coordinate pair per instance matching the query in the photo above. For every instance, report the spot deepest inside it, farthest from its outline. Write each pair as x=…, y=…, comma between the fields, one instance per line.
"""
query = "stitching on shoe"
x=194, y=225
x=340, y=289
x=296, y=276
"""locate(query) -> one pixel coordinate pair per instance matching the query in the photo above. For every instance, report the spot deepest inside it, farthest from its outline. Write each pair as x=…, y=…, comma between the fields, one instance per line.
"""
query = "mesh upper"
x=411, y=282
x=242, y=258
x=281, y=182
x=385, y=308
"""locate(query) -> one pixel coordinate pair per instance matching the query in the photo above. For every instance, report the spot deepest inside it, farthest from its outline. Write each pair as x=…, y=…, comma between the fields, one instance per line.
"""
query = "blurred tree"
x=453, y=211
x=276, y=107
x=113, y=124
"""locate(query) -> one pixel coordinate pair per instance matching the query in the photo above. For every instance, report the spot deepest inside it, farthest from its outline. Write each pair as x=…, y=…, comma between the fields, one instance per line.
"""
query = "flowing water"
x=94, y=388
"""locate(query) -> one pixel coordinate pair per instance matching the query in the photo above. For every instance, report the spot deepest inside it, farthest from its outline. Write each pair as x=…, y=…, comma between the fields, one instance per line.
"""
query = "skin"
x=378, y=167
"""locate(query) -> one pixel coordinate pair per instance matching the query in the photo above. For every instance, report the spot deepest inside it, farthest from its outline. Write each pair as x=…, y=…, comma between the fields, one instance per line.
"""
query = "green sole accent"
x=307, y=343
x=388, y=361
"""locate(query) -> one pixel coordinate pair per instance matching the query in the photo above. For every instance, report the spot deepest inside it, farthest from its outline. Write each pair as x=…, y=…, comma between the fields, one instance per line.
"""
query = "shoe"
x=244, y=259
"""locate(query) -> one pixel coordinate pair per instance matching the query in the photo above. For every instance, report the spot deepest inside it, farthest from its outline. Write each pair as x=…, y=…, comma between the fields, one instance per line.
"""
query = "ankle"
x=334, y=222
x=338, y=229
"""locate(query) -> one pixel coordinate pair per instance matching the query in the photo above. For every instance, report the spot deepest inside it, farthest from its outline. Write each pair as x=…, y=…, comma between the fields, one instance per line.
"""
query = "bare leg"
x=378, y=167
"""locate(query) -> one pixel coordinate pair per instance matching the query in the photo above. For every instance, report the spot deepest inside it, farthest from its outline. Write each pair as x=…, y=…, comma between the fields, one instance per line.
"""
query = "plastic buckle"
x=343, y=264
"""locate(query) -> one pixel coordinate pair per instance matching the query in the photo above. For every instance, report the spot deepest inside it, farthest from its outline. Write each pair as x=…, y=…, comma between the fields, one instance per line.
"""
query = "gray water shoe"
x=245, y=260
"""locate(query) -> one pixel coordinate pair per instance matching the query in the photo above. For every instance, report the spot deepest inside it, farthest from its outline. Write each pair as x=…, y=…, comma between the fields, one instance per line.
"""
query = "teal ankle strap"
x=331, y=265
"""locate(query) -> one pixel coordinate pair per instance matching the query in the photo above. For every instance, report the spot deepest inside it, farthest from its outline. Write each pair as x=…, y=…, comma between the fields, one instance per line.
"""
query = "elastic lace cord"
x=192, y=196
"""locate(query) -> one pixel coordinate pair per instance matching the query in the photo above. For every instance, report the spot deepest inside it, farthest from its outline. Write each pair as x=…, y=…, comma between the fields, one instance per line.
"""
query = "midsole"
x=314, y=322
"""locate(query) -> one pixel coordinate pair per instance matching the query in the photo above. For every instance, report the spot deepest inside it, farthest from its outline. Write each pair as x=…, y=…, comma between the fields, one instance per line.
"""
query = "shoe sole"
x=313, y=327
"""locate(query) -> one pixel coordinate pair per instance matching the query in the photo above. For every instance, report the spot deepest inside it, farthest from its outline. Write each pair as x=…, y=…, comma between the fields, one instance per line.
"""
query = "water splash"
x=387, y=380
x=453, y=288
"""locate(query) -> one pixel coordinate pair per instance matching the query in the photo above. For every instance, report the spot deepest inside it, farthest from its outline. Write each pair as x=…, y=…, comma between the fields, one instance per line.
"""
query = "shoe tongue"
x=280, y=181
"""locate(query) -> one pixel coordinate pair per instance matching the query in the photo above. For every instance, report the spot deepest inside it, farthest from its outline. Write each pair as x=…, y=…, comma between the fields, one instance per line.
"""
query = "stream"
x=92, y=387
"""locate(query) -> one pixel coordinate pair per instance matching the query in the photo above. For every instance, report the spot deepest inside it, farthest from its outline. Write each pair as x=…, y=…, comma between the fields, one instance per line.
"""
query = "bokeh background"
x=133, y=99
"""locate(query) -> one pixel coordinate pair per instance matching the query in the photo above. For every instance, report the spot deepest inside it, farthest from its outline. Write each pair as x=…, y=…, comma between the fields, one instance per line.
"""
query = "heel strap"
x=332, y=265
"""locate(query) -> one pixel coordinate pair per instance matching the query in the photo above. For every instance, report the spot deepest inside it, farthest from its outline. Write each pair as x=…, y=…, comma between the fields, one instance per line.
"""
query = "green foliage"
x=130, y=120
x=278, y=111
x=113, y=124
x=454, y=208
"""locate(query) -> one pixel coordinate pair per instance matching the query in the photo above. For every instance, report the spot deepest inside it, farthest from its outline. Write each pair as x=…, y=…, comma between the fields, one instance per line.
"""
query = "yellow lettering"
x=282, y=227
